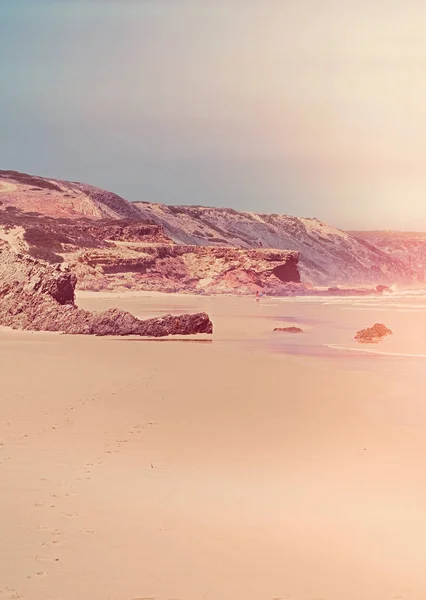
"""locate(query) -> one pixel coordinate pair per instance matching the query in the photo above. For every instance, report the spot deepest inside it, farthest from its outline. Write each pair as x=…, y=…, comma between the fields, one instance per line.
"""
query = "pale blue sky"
x=307, y=107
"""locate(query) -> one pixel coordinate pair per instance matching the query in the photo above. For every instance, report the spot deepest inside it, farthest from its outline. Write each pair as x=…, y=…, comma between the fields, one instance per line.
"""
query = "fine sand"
x=209, y=468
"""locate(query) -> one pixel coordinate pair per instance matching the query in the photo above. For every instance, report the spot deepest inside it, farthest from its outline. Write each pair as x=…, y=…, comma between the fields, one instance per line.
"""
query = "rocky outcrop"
x=52, y=239
x=289, y=329
x=125, y=254
x=194, y=269
x=373, y=334
x=379, y=290
x=37, y=296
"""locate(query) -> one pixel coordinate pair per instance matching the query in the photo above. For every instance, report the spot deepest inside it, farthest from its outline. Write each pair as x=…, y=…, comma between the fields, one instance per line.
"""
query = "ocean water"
x=330, y=323
x=397, y=363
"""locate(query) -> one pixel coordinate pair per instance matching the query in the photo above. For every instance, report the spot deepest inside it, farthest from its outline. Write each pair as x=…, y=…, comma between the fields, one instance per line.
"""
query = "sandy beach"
x=207, y=468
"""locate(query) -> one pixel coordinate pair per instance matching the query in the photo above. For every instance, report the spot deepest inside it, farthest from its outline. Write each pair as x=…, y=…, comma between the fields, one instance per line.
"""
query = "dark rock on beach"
x=373, y=334
x=35, y=295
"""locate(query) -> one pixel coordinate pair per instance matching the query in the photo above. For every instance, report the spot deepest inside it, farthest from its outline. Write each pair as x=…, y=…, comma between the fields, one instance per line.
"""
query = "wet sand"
x=196, y=469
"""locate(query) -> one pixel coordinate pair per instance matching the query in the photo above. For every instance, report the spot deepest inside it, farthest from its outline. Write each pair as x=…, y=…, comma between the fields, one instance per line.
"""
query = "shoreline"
x=206, y=472
x=410, y=292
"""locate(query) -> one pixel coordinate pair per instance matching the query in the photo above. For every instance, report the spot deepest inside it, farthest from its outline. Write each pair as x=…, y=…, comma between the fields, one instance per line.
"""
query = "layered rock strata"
x=328, y=256
x=194, y=269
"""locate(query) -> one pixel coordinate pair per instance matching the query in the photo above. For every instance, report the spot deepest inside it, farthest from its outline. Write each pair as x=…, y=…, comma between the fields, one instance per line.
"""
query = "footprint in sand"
x=40, y=505
x=46, y=559
x=9, y=594
x=38, y=574
x=55, y=543
x=50, y=530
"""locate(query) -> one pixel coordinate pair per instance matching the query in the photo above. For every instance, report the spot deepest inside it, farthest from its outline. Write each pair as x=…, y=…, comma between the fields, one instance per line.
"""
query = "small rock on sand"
x=372, y=335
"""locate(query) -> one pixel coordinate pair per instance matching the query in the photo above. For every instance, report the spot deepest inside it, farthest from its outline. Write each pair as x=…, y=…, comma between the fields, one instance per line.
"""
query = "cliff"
x=124, y=254
x=188, y=269
x=55, y=220
x=37, y=296
x=408, y=247
x=328, y=255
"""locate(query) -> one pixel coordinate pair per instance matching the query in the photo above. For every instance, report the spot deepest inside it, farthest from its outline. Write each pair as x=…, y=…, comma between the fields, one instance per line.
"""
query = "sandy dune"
x=199, y=469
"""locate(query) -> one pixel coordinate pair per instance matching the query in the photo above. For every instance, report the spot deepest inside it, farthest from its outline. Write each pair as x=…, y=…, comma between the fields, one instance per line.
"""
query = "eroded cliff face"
x=328, y=255
x=408, y=247
x=191, y=269
x=113, y=255
x=40, y=297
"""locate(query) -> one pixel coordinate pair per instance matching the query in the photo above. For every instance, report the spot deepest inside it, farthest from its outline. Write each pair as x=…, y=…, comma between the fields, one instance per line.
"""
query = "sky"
x=313, y=108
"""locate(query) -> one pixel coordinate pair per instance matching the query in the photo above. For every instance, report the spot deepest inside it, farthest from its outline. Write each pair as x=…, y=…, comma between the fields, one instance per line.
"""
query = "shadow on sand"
x=141, y=339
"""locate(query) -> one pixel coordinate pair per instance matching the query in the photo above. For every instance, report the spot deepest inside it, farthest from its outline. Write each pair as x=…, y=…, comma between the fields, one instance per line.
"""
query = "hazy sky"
x=307, y=107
